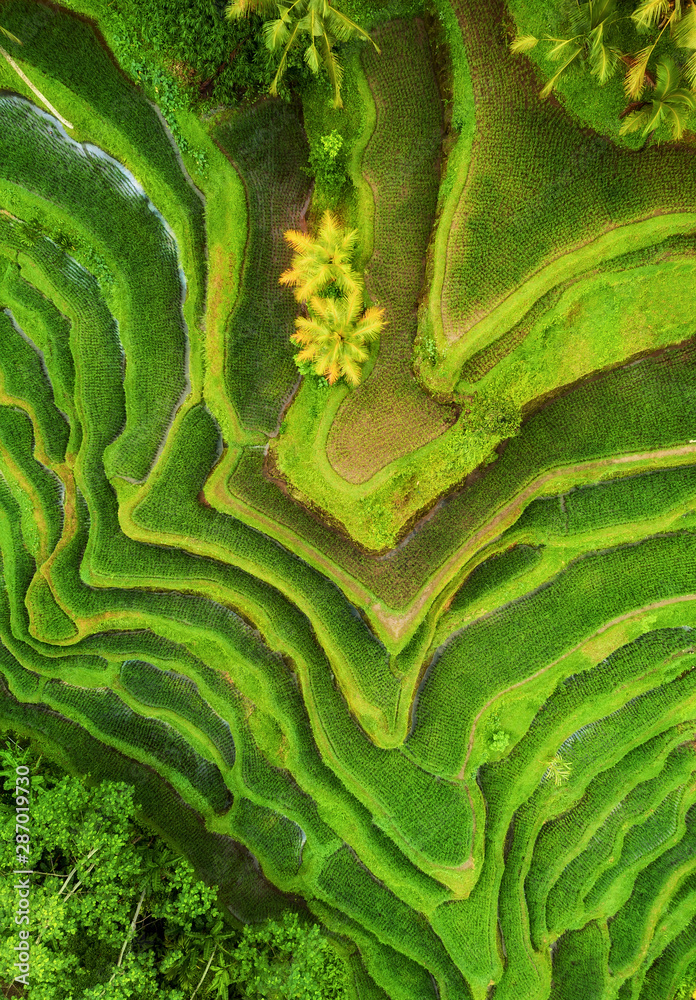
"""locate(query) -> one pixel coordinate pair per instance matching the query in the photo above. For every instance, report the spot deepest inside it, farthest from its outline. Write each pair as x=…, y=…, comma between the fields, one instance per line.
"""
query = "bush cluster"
x=327, y=159
x=116, y=914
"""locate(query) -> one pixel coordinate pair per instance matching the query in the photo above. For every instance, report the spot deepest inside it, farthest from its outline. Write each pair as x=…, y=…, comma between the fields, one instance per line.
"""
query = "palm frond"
x=668, y=77
x=603, y=61
x=351, y=370
x=561, y=44
x=334, y=70
x=307, y=330
x=523, y=43
x=552, y=82
x=358, y=352
x=684, y=99
x=581, y=18
x=299, y=241
x=348, y=281
x=319, y=307
x=351, y=307
x=330, y=229
x=678, y=123
x=684, y=31
x=282, y=65
x=314, y=283
x=604, y=12
x=275, y=33
x=344, y=29
x=634, y=81
x=633, y=121
x=655, y=113
x=349, y=241
x=290, y=277
x=8, y=34
x=372, y=323
x=689, y=71
x=307, y=354
x=311, y=57
x=244, y=8
x=649, y=13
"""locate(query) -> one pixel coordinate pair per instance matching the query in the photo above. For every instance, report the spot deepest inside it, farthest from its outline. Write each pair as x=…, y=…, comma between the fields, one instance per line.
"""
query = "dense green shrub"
x=88, y=949
x=327, y=158
x=205, y=56
x=288, y=959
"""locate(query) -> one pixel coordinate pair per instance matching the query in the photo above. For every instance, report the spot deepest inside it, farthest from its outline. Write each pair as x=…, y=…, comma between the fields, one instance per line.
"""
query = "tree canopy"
x=324, y=25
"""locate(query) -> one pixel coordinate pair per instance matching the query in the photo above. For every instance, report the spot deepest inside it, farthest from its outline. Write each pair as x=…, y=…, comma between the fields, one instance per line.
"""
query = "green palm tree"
x=669, y=103
x=558, y=769
x=334, y=336
x=322, y=265
x=13, y=65
x=324, y=24
x=591, y=25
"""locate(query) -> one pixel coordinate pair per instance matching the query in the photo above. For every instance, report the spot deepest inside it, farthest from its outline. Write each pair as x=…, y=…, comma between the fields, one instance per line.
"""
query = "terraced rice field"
x=374, y=734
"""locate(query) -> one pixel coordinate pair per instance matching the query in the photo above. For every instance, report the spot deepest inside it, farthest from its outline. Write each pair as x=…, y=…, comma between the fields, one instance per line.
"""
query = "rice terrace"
x=348, y=499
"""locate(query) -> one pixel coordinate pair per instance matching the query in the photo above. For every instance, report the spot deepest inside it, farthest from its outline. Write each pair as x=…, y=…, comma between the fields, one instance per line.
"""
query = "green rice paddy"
x=340, y=641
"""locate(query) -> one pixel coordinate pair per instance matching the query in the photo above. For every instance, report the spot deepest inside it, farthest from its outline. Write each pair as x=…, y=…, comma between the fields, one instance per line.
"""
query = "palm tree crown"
x=324, y=24
x=334, y=335
x=669, y=103
x=323, y=263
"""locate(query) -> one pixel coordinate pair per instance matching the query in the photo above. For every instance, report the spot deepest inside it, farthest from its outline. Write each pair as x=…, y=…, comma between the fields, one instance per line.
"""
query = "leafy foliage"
x=592, y=23
x=322, y=265
x=499, y=740
x=92, y=862
x=598, y=40
x=324, y=24
x=335, y=334
x=327, y=159
x=669, y=103
x=208, y=56
x=118, y=915
x=288, y=959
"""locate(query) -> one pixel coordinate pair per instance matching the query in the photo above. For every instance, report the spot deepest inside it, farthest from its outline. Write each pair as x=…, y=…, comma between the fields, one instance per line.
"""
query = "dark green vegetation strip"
x=269, y=148
x=180, y=695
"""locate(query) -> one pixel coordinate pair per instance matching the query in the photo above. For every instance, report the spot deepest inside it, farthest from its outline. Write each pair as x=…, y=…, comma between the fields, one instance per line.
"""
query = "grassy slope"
x=556, y=198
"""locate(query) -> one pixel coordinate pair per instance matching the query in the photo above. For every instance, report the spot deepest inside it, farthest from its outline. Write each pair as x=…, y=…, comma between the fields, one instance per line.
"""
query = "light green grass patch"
x=599, y=322
x=623, y=239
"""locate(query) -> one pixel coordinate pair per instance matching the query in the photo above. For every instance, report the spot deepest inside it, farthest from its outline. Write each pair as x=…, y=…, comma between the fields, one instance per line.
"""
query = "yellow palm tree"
x=322, y=264
x=334, y=336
